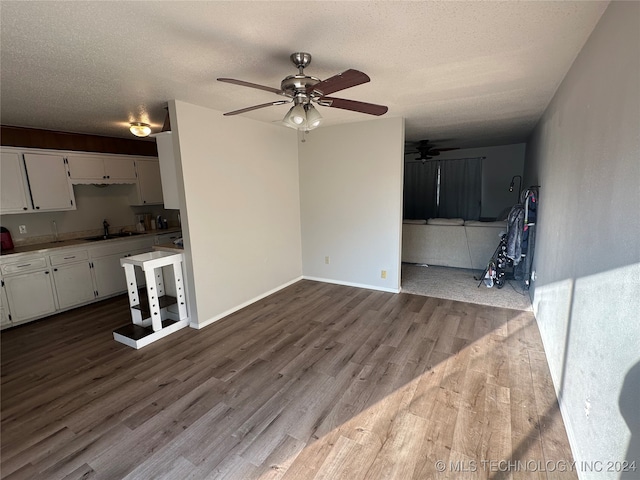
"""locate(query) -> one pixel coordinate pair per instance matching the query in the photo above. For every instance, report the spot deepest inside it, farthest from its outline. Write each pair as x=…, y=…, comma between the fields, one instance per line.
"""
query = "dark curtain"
x=420, y=190
x=460, y=188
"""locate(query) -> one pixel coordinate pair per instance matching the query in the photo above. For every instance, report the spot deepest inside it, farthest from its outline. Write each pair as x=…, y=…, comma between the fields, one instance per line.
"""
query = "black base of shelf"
x=136, y=332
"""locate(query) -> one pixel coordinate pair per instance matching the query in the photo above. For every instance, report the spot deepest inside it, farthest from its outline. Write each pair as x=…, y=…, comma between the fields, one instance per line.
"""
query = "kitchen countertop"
x=36, y=247
x=169, y=247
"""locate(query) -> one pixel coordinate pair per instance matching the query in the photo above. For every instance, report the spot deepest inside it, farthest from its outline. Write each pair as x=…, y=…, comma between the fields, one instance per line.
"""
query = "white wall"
x=585, y=155
x=241, y=220
x=500, y=165
x=351, y=203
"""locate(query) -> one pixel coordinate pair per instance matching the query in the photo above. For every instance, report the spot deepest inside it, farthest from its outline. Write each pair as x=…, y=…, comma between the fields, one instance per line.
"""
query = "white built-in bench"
x=450, y=242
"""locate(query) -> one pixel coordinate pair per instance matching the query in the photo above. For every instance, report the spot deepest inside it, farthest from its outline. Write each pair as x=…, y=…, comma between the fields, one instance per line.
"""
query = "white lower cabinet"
x=5, y=321
x=37, y=285
x=74, y=285
x=29, y=295
x=72, y=278
x=107, y=271
x=109, y=275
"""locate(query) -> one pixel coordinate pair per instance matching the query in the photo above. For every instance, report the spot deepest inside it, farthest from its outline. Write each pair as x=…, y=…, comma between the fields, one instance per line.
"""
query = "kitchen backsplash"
x=94, y=204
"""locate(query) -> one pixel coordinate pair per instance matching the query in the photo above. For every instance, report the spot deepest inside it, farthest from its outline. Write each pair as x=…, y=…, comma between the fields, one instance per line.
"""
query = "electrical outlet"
x=23, y=228
x=383, y=274
x=326, y=260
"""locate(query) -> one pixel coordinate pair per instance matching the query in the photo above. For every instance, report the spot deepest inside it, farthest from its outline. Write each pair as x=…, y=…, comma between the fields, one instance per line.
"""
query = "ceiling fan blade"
x=447, y=149
x=347, y=79
x=242, y=83
x=355, y=106
x=256, y=107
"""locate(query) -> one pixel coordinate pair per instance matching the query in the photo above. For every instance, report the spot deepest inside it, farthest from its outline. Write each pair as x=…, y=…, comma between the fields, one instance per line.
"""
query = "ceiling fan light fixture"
x=140, y=129
x=314, y=119
x=296, y=117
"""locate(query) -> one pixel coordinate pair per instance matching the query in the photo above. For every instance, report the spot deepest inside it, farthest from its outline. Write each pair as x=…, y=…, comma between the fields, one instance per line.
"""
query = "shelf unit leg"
x=180, y=293
x=132, y=291
x=154, y=303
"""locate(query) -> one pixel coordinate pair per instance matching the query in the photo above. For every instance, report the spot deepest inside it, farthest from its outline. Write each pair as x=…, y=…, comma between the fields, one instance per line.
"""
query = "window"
x=443, y=188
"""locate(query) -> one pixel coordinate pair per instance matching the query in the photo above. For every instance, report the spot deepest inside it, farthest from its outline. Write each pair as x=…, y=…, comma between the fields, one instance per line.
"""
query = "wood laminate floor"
x=317, y=381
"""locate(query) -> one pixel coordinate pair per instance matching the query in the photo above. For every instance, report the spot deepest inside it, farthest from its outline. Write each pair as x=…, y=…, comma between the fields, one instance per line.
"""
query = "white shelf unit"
x=153, y=317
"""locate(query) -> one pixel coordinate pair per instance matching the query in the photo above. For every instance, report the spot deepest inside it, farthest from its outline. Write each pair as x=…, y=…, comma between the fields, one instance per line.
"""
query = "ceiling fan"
x=426, y=149
x=302, y=90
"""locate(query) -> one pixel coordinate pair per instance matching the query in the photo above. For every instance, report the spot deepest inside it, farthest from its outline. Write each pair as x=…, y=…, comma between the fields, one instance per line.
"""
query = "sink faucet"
x=105, y=225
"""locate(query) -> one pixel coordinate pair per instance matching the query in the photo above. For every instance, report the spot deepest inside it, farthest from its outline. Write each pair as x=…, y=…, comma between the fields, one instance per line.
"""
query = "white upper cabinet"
x=120, y=169
x=169, y=176
x=49, y=182
x=149, y=190
x=89, y=169
x=14, y=197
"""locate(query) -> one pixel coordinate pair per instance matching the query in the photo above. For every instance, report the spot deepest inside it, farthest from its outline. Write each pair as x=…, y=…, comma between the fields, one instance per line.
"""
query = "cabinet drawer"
x=69, y=257
x=24, y=265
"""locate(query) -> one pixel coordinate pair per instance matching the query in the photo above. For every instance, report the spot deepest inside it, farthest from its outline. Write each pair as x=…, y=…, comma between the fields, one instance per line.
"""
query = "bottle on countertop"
x=165, y=224
x=159, y=222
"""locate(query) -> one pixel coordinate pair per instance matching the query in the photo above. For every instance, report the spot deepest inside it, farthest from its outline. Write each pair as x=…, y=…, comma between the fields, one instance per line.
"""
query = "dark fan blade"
x=362, y=107
x=256, y=107
x=447, y=149
x=347, y=79
x=242, y=83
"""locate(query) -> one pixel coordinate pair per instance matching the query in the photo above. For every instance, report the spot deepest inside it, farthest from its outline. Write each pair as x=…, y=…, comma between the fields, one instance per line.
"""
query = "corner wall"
x=584, y=154
x=241, y=208
x=351, y=203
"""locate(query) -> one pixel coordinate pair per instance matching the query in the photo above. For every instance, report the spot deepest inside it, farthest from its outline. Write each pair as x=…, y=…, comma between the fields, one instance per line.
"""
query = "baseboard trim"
x=565, y=412
x=198, y=326
x=351, y=284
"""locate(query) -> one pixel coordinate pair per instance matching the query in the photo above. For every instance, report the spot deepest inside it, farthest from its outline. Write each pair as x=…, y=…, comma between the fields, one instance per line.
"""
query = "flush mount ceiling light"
x=140, y=129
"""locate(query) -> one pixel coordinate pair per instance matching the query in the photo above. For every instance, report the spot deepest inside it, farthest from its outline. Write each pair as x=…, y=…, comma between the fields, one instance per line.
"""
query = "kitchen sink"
x=112, y=235
x=125, y=234
x=100, y=237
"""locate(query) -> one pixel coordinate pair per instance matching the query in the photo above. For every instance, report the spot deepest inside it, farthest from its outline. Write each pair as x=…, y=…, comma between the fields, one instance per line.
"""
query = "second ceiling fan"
x=426, y=149
x=302, y=90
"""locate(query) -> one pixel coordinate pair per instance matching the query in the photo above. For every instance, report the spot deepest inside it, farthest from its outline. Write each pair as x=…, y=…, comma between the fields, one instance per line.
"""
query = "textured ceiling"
x=461, y=73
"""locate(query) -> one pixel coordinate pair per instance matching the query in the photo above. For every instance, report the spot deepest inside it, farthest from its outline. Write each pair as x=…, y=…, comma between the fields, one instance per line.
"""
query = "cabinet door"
x=86, y=168
x=13, y=192
x=50, y=187
x=5, y=321
x=109, y=275
x=168, y=174
x=149, y=183
x=29, y=295
x=120, y=169
x=74, y=284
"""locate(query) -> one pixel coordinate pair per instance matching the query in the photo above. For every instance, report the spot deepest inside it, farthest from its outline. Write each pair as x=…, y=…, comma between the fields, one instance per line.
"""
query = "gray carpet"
x=459, y=284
